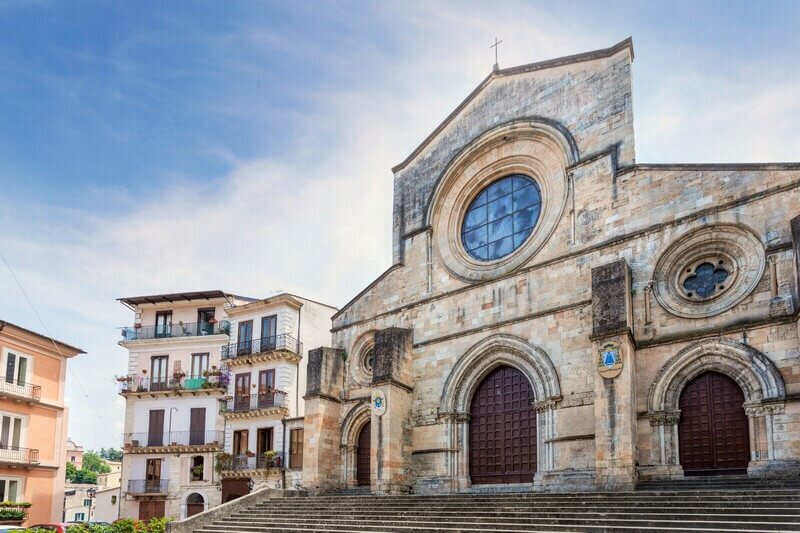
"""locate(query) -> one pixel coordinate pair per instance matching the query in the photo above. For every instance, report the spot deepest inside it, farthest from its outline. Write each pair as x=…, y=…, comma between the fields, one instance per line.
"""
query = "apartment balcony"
x=141, y=385
x=264, y=348
x=148, y=487
x=16, y=456
x=173, y=441
x=19, y=390
x=174, y=331
x=251, y=465
x=266, y=403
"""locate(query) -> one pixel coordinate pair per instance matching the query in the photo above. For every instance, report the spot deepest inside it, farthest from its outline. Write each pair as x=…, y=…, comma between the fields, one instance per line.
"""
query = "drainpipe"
x=283, y=453
x=297, y=373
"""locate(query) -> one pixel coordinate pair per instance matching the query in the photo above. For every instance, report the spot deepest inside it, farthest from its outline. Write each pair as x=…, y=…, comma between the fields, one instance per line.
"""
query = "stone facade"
x=603, y=275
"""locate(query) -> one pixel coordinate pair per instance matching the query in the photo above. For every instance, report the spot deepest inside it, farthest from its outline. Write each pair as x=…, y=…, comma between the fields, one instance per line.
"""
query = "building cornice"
x=165, y=342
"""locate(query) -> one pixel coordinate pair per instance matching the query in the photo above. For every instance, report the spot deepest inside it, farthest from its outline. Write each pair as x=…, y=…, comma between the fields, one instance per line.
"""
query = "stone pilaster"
x=391, y=423
x=615, y=396
x=321, y=468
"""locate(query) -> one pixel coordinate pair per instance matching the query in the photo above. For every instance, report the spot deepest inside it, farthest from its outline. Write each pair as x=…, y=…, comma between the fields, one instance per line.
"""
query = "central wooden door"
x=151, y=509
x=714, y=437
x=502, y=432
x=363, y=454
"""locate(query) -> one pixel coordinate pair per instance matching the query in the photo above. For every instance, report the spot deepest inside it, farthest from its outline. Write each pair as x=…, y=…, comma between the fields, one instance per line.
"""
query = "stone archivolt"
x=735, y=246
x=757, y=376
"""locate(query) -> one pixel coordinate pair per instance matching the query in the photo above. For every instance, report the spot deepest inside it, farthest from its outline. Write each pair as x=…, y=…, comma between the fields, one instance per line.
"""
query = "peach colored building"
x=33, y=420
x=75, y=454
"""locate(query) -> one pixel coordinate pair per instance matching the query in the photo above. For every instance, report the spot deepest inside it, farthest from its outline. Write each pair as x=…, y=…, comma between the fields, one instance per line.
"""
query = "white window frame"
x=20, y=487
x=28, y=369
x=23, y=432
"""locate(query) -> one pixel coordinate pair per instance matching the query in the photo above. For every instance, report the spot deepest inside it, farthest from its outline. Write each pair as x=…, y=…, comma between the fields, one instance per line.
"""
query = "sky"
x=150, y=147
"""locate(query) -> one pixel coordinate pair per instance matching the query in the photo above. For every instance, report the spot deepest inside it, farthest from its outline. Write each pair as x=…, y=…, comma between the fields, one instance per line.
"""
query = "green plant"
x=197, y=471
x=124, y=525
x=12, y=514
x=224, y=461
x=15, y=504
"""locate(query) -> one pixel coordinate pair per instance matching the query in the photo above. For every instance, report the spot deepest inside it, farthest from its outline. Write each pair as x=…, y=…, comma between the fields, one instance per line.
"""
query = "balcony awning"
x=173, y=297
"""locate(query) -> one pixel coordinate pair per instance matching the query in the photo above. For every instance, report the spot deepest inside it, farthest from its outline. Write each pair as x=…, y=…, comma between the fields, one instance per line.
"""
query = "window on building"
x=158, y=372
x=269, y=331
x=80, y=517
x=205, y=321
x=501, y=217
x=87, y=502
x=240, y=438
x=10, y=434
x=9, y=489
x=199, y=364
x=163, y=324
x=72, y=459
x=197, y=468
x=113, y=500
x=296, y=448
x=16, y=368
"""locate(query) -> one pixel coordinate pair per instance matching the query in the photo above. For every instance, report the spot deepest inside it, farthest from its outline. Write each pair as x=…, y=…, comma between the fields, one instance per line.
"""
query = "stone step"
x=529, y=518
x=401, y=513
x=572, y=523
x=554, y=529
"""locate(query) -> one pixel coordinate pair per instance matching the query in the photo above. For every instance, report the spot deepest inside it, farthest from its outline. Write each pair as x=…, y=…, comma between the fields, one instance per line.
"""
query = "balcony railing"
x=250, y=402
x=20, y=388
x=17, y=454
x=148, y=486
x=139, y=383
x=253, y=346
x=169, y=438
x=168, y=331
x=244, y=462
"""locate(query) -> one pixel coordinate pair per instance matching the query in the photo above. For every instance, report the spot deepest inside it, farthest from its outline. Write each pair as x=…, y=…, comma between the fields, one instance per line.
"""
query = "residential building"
x=265, y=406
x=172, y=392
x=33, y=420
x=106, y=504
x=79, y=502
x=112, y=478
x=74, y=454
x=559, y=316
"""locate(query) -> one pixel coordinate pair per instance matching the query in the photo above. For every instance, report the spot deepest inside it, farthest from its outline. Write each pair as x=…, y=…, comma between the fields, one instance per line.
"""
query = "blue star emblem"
x=378, y=403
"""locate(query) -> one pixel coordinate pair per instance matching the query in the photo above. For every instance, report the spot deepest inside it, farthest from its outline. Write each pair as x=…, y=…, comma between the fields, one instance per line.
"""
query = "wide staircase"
x=733, y=507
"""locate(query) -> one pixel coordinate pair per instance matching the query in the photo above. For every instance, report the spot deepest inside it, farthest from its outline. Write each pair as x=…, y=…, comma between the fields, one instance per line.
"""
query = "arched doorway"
x=713, y=433
x=194, y=504
x=363, y=455
x=502, y=431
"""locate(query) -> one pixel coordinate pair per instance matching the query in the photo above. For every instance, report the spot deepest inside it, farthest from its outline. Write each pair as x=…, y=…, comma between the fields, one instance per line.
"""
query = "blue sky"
x=162, y=146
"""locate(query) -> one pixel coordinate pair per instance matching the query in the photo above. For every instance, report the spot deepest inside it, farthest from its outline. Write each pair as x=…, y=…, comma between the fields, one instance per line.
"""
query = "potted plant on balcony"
x=224, y=461
x=271, y=459
x=197, y=472
x=212, y=320
x=124, y=379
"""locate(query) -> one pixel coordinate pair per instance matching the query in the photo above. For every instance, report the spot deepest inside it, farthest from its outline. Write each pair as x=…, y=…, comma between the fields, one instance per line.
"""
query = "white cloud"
x=316, y=219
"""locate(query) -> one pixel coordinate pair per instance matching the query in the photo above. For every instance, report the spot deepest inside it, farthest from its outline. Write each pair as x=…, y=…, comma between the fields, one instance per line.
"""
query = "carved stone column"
x=664, y=451
x=615, y=378
x=321, y=456
x=391, y=414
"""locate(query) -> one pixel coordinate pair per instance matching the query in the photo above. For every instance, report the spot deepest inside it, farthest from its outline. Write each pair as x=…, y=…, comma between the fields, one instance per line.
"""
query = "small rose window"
x=368, y=360
x=706, y=278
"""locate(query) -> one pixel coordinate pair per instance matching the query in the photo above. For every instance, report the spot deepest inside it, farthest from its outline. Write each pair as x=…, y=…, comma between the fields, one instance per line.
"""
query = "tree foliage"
x=92, y=461
x=111, y=454
x=80, y=476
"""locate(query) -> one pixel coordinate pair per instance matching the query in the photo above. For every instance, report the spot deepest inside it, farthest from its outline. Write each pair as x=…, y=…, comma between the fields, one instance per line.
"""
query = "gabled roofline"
x=78, y=351
x=530, y=67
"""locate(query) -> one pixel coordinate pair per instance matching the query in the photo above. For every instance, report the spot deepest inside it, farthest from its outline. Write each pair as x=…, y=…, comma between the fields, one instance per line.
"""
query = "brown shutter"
x=197, y=426
x=155, y=432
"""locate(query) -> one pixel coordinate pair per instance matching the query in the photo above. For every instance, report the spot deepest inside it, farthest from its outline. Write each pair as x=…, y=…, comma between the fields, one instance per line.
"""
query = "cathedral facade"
x=560, y=317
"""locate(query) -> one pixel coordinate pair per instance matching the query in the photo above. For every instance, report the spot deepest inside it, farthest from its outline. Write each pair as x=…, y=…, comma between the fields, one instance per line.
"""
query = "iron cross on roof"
x=496, y=46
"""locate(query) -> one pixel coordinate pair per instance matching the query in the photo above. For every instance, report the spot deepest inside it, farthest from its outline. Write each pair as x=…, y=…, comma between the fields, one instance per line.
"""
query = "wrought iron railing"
x=148, y=486
x=246, y=462
x=284, y=341
x=20, y=388
x=17, y=454
x=250, y=402
x=169, y=438
x=181, y=329
x=137, y=383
